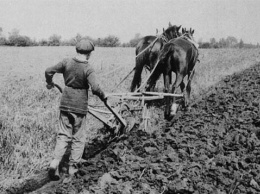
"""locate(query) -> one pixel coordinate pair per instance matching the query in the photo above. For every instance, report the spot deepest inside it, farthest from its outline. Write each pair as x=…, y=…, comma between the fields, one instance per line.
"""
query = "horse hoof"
x=174, y=109
x=186, y=108
x=168, y=117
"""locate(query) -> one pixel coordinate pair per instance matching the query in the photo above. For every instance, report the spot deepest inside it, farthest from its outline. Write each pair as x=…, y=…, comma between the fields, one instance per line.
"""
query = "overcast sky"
x=124, y=18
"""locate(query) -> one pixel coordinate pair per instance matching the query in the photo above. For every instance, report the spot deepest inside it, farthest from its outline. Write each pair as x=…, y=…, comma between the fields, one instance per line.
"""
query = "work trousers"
x=72, y=129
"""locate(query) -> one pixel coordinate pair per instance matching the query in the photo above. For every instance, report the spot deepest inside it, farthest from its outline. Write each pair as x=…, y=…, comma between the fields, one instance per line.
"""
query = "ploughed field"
x=212, y=149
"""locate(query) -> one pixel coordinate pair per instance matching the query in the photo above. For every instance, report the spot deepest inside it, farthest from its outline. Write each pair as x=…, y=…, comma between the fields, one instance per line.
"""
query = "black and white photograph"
x=129, y=97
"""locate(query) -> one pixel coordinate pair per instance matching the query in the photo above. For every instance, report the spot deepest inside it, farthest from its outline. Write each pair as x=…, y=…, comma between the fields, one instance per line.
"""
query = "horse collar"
x=163, y=37
x=195, y=44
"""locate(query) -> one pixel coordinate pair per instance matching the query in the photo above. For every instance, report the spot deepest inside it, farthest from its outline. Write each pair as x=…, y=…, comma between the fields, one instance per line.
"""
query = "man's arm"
x=96, y=90
x=49, y=72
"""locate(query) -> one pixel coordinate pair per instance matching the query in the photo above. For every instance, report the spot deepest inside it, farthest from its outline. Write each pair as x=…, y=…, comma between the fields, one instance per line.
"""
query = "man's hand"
x=50, y=86
x=104, y=97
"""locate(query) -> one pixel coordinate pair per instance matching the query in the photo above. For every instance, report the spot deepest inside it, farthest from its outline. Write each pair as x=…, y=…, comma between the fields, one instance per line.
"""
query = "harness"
x=164, y=38
x=195, y=44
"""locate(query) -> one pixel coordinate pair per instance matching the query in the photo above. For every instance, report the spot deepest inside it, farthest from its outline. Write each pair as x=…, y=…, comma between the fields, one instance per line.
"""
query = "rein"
x=124, y=79
x=151, y=44
x=148, y=76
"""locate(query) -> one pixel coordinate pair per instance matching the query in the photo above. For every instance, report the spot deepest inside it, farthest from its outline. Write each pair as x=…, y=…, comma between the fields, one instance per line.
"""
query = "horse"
x=147, y=52
x=151, y=82
x=179, y=55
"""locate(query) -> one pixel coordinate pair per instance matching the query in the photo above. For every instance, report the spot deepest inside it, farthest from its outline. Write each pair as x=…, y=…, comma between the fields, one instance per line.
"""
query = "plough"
x=122, y=118
x=140, y=99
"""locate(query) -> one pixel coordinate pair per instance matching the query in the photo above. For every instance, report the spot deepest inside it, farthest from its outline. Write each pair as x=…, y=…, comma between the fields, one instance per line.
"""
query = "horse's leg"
x=188, y=89
x=167, y=110
x=182, y=86
x=178, y=81
x=167, y=76
x=136, y=82
x=170, y=78
x=153, y=58
x=153, y=79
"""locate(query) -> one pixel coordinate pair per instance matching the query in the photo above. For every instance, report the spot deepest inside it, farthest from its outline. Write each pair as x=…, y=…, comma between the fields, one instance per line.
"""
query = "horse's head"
x=188, y=33
x=184, y=31
x=172, y=32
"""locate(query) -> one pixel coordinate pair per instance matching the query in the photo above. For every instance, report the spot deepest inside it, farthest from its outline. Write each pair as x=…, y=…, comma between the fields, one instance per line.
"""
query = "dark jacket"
x=78, y=76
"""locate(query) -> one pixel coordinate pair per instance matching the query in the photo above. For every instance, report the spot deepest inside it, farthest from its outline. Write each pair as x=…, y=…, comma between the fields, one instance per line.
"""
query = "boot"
x=54, y=170
x=72, y=171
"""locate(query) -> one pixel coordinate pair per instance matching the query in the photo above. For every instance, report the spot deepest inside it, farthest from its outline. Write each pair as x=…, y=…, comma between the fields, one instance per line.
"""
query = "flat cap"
x=85, y=45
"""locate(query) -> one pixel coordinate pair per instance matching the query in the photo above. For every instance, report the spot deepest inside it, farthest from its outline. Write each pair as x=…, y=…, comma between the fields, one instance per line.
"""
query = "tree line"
x=229, y=42
x=15, y=39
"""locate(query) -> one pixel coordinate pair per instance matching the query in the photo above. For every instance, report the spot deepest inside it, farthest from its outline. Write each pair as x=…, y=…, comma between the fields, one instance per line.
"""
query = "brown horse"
x=160, y=68
x=179, y=55
x=147, y=52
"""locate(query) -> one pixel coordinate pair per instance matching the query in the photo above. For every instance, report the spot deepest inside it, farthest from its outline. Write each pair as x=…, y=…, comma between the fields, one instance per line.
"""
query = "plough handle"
x=124, y=79
x=101, y=118
x=58, y=87
x=118, y=116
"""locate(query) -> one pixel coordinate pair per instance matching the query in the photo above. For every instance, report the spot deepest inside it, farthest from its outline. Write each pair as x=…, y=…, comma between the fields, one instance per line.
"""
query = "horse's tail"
x=195, y=53
x=140, y=62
